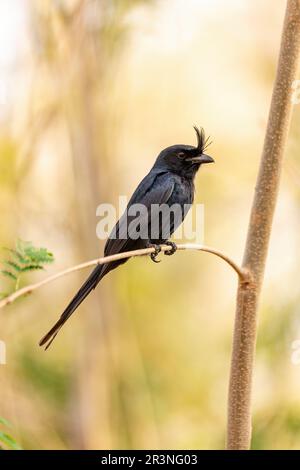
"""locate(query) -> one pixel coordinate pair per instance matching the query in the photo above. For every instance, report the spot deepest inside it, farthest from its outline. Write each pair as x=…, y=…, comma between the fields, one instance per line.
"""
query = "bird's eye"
x=181, y=155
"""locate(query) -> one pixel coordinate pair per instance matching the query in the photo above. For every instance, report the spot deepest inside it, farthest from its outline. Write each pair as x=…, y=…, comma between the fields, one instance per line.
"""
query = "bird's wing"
x=155, y=188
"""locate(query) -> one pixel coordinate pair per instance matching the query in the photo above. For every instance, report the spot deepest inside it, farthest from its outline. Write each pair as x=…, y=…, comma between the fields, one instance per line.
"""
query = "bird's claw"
x=173, y=248
x=153, y=255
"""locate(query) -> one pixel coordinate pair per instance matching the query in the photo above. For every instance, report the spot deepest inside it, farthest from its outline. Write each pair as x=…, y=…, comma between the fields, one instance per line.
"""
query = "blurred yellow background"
x=90, y=92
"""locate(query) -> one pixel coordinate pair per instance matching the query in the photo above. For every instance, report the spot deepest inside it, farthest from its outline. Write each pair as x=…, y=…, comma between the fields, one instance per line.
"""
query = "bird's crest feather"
x=202, y=142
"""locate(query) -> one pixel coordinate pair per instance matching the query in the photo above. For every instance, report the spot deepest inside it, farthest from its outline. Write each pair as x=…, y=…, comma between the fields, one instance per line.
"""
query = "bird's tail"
x=83, y=292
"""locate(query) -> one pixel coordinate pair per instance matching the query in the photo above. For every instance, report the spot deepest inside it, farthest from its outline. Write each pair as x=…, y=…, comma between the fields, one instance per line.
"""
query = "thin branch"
x=242, y=274
x=267, y=186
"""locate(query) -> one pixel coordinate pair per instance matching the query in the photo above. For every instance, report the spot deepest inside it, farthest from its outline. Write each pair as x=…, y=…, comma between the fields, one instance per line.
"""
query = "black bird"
x=170, y=181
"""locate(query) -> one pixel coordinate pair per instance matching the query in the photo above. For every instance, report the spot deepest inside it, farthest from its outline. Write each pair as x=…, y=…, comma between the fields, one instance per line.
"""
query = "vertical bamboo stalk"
x=244, y=339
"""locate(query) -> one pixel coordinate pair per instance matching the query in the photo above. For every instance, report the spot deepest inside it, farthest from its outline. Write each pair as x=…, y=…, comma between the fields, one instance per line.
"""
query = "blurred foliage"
x=48, y=380
x=6, y=440
x=23, y=259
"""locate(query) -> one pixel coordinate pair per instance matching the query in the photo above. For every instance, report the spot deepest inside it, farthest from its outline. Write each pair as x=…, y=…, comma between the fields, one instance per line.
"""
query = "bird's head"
x=185, y=159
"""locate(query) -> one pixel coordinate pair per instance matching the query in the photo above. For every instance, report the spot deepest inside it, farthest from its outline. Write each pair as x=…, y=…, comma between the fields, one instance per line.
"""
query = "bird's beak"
x=203, y=158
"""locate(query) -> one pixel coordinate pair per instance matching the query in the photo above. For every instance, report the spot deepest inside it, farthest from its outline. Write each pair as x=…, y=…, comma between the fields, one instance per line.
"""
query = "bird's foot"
x=154, y=255
x=173, y=249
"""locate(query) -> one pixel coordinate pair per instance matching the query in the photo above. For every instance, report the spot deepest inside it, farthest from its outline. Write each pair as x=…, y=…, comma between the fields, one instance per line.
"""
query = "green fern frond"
x=13, y=265
x=32, y=254
x=40, y=256
x=31, y=267
x=24, y=258
x=17, y=255
x=8, y=274
x=46, y=256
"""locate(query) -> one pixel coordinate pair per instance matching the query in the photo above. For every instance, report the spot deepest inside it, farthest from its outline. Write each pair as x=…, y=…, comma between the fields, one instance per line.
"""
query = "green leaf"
x=9, y=441
x=48, y=257
x=8, y=274
x=31, y=267
x=13, y=265
x=32, y=254
x=18, y=256
x=25, y=258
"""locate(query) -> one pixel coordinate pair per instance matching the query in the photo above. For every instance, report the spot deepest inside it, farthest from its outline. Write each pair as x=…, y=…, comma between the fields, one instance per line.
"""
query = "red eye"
x=181, y=155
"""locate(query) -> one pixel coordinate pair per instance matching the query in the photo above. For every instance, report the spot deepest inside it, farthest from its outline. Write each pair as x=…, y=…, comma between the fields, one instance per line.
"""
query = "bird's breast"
x=183, y=192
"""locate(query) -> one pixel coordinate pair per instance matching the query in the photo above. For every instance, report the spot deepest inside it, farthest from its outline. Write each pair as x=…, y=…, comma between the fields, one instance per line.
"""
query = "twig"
x=239, y=400
x=243, y=275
